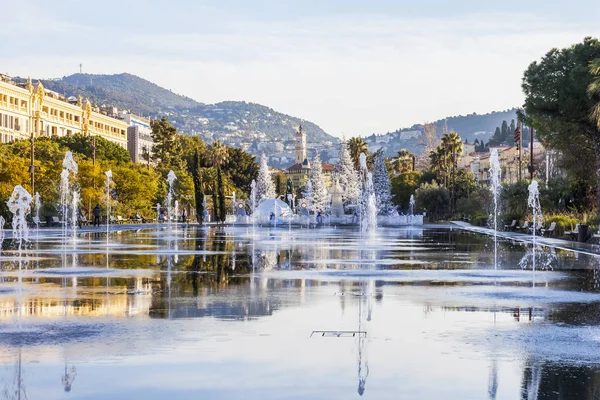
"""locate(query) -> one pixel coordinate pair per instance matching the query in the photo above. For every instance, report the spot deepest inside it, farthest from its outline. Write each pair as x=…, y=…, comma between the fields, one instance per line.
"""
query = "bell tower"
x=300, y=145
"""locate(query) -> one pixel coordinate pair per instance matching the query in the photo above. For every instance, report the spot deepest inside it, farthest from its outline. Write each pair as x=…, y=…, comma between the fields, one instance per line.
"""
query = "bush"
x=564, y=222
x=480, y=219
x=507, y=219
x=434, y=199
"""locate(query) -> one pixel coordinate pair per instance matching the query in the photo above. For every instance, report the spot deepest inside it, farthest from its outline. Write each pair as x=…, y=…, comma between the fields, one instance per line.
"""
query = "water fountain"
x=533, y=201
x=107, y=185
x=170, y=180
x=157, y=212
x=411, y=209
x=38, y=205
x=19, y=204
x=2, y=222
x=70, y=169
x=368, y=205
x=495, y=173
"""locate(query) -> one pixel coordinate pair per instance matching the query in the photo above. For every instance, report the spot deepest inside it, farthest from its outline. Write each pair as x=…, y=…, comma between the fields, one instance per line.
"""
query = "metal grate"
x=339, y=333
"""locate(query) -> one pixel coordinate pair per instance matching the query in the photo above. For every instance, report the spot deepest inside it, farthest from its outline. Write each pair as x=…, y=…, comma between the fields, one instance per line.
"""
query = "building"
x=139, y=137
x=29, y=109
x=299, y=172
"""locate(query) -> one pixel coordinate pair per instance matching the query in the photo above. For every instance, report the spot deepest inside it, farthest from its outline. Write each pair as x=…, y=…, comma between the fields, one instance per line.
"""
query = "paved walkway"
x=579, y=247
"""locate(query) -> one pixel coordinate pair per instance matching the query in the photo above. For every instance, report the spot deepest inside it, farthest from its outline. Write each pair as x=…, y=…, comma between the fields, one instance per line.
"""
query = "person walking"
x=97, y=212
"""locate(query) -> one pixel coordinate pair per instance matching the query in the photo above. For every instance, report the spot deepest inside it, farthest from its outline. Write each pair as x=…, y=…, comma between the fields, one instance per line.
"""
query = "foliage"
x=465, y=184
x=514, y=199
x=593, y=91
x=167, y=151
x=557, y=103
x=402, y=186
x=241, y=169
x=280, y=183
x=433, y=199
x=478, y=202
x=357, y=146
x=105, y=149
x=221, y=212
x=404, y=161
x=564, y=222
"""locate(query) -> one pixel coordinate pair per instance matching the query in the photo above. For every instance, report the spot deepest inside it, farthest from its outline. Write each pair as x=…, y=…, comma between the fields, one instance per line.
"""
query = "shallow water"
x=230, y=313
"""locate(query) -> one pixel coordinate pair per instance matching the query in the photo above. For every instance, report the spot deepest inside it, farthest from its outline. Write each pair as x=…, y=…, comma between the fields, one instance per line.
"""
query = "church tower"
x=300, y=145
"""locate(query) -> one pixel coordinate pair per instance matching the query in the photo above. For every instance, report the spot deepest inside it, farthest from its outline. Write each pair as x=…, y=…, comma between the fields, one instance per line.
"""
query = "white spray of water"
x=107, y=187
x=70, y=169
x=158, y=212
x=19, y=204
x=170, y=180
x=495, y=187
x=38, y=206
x=2, y=222
x=411, y=208
x=253, y=200
x=368, y=203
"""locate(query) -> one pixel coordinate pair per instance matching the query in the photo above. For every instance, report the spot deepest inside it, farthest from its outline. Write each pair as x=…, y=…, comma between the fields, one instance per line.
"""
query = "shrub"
x=564, y=222
x=434, y=199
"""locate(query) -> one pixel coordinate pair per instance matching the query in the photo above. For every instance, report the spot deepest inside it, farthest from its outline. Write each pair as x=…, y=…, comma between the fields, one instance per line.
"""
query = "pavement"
x=578, y=247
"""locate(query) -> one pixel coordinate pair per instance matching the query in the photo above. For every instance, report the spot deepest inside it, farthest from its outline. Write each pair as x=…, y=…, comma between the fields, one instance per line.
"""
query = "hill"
x=469, y=127
x=233, y=122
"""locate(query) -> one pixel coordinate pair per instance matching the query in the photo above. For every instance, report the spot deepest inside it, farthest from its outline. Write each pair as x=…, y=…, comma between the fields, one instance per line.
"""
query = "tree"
x=265, y=189
x=320, y=196
x=196, y=166
x=557, y=103
x=220, y=205
x=357, y=146
x=348, y=176
x=280, y=183
x=434, y=199
x=241, y=168
x=167, y=151
x=403, y=186
x=216, y=154
x=404, y=162
x=453, y=147
x=382, y=186
x=594, y=91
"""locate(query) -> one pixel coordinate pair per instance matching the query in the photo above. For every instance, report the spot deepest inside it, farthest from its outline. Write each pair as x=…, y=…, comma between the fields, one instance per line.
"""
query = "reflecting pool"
x=279, y=313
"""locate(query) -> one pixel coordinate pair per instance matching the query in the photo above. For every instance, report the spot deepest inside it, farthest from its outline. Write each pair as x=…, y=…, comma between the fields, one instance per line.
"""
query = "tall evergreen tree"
x=348, y=176
x=167, y=151
x=198, y=189
x=320, y=196
x=222, y=212
x=265, y=188
x=382, y=186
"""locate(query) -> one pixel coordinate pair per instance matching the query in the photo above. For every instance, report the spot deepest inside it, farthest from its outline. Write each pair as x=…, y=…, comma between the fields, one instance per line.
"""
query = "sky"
x=352, y=67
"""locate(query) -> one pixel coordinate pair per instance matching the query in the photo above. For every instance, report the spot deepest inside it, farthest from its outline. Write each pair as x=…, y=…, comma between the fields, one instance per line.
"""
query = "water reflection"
x=244, y=296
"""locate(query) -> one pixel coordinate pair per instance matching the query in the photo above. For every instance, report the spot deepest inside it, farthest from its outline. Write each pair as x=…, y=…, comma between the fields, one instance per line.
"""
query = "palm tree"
x=404, y=163
x=453, y=145
x=217, y=154
x=357, y=146
x=594, y=90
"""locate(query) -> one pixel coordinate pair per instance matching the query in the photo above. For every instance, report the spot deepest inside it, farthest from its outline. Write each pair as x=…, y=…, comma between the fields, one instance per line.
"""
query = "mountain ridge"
x=233, y=122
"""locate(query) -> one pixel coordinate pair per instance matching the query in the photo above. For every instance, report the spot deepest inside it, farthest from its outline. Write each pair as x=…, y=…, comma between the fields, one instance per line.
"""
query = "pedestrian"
x=97, y=213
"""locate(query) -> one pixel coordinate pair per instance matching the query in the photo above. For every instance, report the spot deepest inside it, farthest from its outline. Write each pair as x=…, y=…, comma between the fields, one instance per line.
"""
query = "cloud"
x=351, y=74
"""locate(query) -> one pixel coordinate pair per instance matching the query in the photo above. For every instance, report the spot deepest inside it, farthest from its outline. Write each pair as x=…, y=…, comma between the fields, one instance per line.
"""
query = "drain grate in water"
x=339, y=333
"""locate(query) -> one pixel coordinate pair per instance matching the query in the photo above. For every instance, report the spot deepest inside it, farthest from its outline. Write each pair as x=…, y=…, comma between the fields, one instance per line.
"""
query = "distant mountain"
x=469, y=127
x=233, y=122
